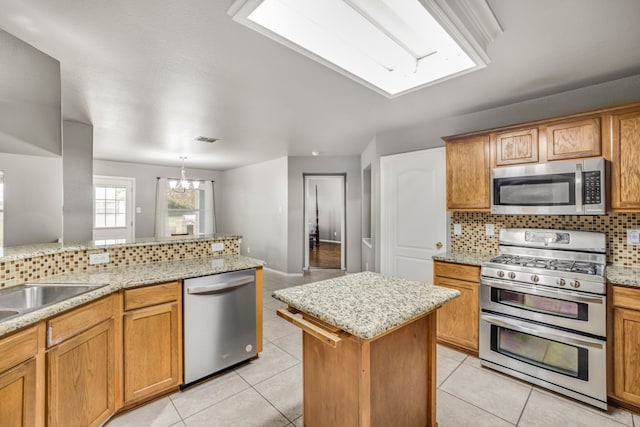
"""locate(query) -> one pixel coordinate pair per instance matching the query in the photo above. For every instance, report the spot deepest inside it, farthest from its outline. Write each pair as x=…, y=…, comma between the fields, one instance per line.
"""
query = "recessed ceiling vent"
x=207, y=139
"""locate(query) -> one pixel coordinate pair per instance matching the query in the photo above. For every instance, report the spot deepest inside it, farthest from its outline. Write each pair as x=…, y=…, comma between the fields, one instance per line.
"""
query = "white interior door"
x=113, y=209
x=413, y=213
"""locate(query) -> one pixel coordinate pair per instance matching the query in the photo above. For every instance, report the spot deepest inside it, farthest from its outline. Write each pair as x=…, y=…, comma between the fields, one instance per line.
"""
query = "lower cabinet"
x=20, y=380
x=458, y=320
x=152, y=341
x=625, y=318
x=81, y=365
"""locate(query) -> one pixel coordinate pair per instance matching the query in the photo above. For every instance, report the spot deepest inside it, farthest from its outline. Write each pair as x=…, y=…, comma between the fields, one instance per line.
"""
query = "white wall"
x=254, y=205
x=145, y=191
x=330, y=201
x=318, y=165
x=32, y=199
x=30, y=99
x=77, y=170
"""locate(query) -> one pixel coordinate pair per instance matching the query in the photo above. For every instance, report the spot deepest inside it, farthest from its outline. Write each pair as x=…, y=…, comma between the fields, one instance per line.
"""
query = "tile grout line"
x=478, y=407
x=526, y=402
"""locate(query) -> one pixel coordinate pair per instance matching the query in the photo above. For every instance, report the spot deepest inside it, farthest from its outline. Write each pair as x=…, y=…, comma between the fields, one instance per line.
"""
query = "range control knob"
x=575, y=284
x=500, y=273
x=561, y=282
x=535, y=278
x=512, y=275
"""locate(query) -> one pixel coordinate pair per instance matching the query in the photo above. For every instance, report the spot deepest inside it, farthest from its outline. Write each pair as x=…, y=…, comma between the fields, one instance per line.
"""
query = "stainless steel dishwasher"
x=219, y=322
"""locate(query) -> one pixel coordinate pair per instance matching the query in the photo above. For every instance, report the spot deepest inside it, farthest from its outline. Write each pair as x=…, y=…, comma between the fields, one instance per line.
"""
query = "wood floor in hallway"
x=326, y=255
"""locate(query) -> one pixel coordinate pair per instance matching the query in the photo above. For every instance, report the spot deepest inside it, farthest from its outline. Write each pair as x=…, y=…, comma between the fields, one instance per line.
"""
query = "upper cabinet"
x=468, y=174
x=573, y=139
x=613, y=133
x=625, y=160
x=516, y=147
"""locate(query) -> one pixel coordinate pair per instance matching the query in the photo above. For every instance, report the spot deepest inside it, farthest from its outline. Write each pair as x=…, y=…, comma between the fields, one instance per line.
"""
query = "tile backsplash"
x=614, y=225
x=18, y=271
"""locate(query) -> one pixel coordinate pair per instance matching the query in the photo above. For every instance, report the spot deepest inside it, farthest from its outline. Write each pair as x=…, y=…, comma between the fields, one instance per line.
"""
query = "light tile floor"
x=268, y=391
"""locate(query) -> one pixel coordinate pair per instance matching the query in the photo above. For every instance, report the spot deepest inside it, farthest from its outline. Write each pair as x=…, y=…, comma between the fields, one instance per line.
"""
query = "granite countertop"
x=26, y=251
x=123, y=277
x=470, y=258
x=629, y=276
x=365, y=304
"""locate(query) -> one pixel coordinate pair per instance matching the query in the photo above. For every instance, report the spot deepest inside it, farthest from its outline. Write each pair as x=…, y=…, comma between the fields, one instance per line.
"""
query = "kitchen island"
x=369, y=349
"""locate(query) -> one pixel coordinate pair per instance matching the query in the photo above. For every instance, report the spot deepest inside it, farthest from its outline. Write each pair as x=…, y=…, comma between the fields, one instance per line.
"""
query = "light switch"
x=138, y=209
x=457, y=229
x=633, y=237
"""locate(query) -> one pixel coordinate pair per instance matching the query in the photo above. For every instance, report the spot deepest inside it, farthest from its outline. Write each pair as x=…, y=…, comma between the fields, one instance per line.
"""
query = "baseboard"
x=330, y=241
x=282, y=273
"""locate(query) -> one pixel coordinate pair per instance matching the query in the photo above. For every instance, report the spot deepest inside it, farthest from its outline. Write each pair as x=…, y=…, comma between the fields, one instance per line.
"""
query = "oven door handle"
x=554, y=336
x=568, y=295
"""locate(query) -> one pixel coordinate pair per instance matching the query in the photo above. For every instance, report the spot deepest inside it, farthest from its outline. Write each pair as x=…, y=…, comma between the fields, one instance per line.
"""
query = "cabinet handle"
x=50, y=335
x=310, y=328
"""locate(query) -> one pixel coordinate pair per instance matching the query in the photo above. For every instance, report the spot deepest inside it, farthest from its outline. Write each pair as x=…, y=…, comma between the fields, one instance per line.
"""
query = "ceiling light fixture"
x=183, y=184
x=391, y=46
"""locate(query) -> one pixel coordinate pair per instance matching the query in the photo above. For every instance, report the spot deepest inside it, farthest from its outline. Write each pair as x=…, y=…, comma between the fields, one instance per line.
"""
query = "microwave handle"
x=578, y=187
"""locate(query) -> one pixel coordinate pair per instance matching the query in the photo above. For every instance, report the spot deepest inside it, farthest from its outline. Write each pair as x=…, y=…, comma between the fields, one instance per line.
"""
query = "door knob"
x=439, y=245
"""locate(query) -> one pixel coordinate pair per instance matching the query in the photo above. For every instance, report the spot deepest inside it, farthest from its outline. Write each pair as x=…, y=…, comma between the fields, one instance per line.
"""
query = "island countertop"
x=366, y=304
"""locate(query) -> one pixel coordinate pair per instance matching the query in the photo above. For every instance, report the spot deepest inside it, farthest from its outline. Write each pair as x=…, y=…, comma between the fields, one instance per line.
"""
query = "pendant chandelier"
x=183, y=184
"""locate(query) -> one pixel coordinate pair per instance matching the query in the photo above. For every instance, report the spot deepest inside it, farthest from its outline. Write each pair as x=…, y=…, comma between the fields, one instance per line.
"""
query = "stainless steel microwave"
x=574, y=187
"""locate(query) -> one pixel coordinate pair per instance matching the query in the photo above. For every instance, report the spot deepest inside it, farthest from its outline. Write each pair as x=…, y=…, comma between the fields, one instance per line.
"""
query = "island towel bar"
x=310, y=328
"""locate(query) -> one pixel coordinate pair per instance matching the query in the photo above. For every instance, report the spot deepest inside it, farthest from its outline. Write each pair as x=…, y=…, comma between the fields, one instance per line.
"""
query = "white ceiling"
x=151, y=75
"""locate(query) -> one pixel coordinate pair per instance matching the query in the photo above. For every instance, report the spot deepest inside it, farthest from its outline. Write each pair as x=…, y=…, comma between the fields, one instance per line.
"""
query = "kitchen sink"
x=25, y=298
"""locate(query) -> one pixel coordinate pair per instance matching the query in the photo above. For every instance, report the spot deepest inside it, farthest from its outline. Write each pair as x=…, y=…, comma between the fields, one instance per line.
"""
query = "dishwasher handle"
x=219, y=287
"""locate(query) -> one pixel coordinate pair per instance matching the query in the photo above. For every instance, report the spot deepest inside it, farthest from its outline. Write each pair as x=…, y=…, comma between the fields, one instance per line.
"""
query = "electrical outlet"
x=633, y=237
x=101, y=258
x=490, y=229
x=457, y=229
x=366, y=266
x=217, y=247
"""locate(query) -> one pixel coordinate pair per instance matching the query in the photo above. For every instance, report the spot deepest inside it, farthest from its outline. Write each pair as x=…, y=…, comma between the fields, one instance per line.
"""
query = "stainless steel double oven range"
x=543, y=316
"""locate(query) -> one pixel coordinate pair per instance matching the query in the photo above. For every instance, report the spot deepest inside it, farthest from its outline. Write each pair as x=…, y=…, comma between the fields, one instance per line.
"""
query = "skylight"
x=394, y=46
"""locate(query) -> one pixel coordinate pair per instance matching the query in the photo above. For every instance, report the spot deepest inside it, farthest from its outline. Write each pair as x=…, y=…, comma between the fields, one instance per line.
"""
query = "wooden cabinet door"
x=625, y=167
x=468, y=174
x=458, y=319
x=81, y=374
x=18, y=396
x=574, y=139
x=626, y=355
x=516, y=147
x=152, y=351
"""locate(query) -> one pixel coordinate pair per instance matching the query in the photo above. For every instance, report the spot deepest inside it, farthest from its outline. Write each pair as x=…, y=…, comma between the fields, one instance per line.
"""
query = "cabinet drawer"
x=469, y=273
x=626, y=297
x=18, y=347
x=151, y=295
x=78, y=320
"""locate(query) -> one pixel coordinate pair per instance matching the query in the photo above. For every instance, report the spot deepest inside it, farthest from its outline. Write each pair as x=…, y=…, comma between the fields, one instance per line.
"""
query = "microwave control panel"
x=592, y=187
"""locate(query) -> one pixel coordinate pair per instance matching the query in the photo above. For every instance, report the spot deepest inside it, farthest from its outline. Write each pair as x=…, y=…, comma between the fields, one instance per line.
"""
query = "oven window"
x=540, y=304
x=546, y=190
x=548, y=354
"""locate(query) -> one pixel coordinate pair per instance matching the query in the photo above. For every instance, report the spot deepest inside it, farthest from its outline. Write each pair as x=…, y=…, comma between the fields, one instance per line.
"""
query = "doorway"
x=324, y=216
x=413, y=214
x=113, y=209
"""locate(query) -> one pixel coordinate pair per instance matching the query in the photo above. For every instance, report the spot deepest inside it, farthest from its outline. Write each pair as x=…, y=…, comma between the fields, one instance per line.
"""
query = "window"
x=111, y=207
x=184, y=211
